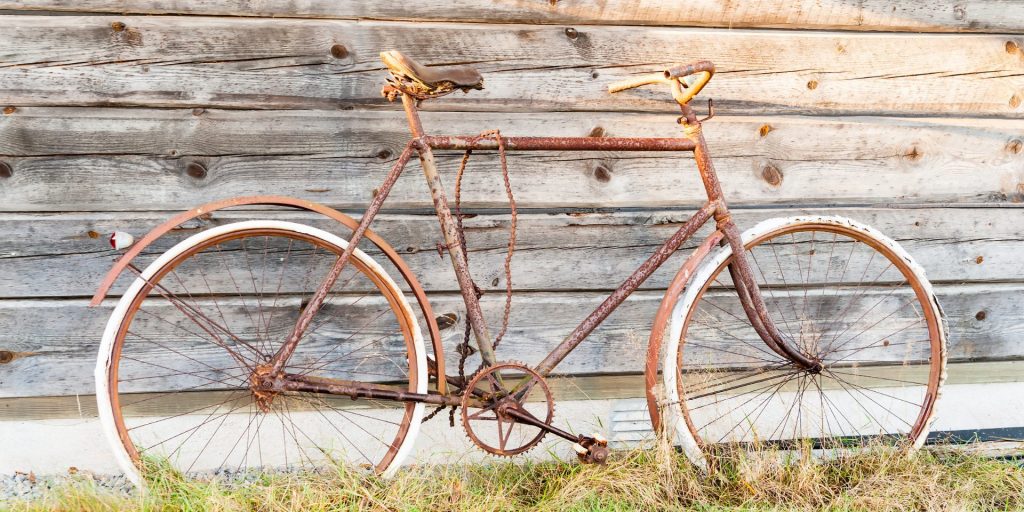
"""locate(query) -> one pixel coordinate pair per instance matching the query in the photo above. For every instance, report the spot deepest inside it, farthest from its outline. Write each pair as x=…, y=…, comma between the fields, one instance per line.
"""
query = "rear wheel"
x=839, y=292
x=175, y=371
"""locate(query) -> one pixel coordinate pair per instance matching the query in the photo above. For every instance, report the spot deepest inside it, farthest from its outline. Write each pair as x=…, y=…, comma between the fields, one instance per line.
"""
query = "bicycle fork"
x=742, y=276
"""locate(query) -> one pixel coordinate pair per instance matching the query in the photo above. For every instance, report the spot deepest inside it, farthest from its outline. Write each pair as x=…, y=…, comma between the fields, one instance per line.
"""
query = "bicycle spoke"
x=354, y=336
x=833, y=291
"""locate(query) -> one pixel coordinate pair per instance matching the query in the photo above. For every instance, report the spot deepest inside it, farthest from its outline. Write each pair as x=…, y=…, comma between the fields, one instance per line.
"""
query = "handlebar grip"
x=629, y=83
x=687, y=80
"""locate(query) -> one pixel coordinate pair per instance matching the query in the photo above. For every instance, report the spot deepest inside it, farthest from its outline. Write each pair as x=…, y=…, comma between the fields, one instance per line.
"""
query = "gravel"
x=28, y=486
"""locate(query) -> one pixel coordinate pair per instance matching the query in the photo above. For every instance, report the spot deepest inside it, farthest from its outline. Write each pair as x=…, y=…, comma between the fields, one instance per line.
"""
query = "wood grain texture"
x=57, y=356
x=109, y=112
x=556, y=251
x=281, y=63
x=883, y=15
x=94, y=159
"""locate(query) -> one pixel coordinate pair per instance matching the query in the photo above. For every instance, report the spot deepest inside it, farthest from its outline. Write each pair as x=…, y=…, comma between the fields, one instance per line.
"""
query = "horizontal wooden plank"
x=938, y=16
x=54, y=255
x=57, y=355
x=134, y=159
x=287, y=63
x=564, y=388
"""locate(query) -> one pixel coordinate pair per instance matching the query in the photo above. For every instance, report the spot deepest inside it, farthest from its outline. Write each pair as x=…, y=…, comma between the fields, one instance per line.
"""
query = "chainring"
x=489, y=397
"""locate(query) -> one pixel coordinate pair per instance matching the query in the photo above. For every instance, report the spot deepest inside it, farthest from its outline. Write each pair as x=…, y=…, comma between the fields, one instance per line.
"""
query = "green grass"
x=657, y=479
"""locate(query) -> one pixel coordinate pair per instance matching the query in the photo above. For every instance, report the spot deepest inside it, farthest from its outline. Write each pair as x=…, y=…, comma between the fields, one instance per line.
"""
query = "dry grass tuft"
x=651, y=479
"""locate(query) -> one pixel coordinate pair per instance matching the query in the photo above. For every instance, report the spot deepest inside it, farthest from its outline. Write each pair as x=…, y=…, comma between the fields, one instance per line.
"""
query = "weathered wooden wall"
x=904, y=114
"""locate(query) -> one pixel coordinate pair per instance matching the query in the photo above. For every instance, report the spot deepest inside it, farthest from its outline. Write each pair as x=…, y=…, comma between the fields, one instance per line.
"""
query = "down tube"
x=626, y=289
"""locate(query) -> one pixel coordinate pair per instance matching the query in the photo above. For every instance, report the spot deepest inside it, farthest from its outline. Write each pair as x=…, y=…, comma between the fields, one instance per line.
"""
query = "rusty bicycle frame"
x=423, y=146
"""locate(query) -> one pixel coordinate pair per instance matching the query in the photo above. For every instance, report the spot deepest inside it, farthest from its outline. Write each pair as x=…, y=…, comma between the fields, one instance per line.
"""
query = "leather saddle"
x=431, y=80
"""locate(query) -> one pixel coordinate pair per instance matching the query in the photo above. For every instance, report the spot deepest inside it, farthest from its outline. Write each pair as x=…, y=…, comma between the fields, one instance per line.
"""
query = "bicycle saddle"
x=432, y=80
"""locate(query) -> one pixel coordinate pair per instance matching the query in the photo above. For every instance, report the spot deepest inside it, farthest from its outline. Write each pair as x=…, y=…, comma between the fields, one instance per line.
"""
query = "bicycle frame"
x=424, y=145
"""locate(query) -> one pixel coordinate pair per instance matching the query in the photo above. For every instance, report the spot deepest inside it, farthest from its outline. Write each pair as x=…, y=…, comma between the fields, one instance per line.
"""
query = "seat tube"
x=452, y=235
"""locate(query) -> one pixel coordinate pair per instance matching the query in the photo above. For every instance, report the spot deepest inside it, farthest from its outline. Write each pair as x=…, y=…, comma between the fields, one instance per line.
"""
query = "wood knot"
x=1015, y=146
x=339, y=51
x=765, y=130
x=198, y=111
x=196, y=170
x=771, y=175
x=446, y=320
x=979, y=260
x=1015, y=101
x=6, y=356
x=812, y=85
x=9, y=110
x=93, y=234
x=571, y=33
x=914, y=154
x=1012, y=47
x=602, y=173
x=118, y=26
x=384, y=154
x=959, y=12
x=980, y=315
x=597, y=132
x=5, y=170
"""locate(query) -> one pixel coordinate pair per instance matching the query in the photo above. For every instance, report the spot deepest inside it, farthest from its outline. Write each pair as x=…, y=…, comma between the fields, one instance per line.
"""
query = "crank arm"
x=530, y=419
x=590, y=449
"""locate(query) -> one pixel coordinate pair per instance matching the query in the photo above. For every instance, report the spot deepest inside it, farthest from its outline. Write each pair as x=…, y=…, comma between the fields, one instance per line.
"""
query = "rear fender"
x=421, y=297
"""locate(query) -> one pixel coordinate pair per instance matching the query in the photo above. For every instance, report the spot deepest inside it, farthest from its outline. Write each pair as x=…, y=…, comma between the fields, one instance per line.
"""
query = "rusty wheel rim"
x=394, y=305
x=931, y=323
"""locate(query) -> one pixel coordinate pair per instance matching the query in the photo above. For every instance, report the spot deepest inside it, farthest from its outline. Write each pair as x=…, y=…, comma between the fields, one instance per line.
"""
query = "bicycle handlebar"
x=687, y=80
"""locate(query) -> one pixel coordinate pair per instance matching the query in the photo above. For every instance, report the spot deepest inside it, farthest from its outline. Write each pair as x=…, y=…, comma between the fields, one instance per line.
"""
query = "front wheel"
x=176, y=376
x=842, y=294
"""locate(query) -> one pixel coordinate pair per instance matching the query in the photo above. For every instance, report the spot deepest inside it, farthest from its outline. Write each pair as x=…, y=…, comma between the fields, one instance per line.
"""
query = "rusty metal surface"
x=463, y=143
x=505, y=407
x=624, y=290
x=436, y=365
x=668, y=303
x=746, y=285
x=464, y=348
x=291, y=382
x=280, y=359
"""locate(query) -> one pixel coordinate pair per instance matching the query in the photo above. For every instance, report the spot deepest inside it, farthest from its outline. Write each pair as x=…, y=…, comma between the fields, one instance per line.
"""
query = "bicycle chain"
x=465, y=350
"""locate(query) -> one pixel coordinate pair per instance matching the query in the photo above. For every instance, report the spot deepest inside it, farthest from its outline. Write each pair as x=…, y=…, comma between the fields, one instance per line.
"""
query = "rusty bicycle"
x=273, y=343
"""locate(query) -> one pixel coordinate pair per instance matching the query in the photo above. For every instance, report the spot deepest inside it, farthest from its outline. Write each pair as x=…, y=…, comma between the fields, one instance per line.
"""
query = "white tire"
x=103, y=369
x=674, y=420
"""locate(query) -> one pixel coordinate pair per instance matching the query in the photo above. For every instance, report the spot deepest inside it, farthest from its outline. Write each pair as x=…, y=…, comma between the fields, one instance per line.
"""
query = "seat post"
x=412, y=115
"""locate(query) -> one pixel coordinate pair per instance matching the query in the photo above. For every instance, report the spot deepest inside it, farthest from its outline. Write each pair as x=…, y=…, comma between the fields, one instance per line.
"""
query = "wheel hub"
x=262, y=386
